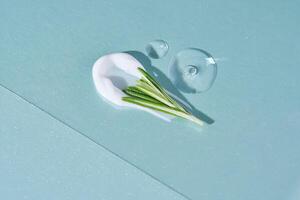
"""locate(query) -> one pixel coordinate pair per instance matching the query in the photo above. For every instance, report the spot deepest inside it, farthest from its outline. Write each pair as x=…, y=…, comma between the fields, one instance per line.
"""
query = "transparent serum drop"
x=193, y=70
x=157, y=49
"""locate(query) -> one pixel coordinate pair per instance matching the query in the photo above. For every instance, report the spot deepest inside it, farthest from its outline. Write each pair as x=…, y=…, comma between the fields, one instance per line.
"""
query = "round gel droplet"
x=157, y=49
x=193, y=70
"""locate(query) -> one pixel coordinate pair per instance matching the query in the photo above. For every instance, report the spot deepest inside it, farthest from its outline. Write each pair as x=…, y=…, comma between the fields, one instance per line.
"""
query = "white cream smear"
x=114, y=72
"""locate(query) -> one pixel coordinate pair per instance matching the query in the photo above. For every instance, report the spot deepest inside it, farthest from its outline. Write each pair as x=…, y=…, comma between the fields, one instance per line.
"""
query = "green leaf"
x=149, y=94
x=156, y=106
x=138, y=94
x=156, y=85
x=162, y=108
x=149, y=91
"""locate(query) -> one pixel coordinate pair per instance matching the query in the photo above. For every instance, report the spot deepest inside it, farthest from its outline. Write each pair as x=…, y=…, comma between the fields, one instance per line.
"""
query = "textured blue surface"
x=40, y=158
x=250, y=152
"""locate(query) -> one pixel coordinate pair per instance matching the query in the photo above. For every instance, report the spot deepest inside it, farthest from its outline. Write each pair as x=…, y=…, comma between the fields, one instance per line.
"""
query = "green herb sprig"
x=148, y=93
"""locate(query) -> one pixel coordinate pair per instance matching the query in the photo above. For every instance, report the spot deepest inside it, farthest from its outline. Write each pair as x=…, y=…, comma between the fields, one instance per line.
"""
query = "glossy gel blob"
x=157, y=49
x=193, y=70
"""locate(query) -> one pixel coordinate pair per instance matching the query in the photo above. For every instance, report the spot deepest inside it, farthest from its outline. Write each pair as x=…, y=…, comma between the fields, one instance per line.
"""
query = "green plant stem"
x=149, y=94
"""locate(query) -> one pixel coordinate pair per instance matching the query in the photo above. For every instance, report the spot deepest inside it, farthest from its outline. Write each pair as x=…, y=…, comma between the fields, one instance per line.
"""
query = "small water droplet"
x=157, y=49
x=193, y=70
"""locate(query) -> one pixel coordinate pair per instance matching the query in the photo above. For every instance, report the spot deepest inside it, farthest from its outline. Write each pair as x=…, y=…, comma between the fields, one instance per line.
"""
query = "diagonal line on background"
x=101, y=145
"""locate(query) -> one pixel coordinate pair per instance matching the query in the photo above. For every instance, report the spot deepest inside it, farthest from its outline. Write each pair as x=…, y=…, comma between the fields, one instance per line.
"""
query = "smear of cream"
x=114, y=72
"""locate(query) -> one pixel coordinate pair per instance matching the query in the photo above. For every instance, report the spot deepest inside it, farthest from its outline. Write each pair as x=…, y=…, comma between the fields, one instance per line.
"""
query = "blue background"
x=252, y=151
